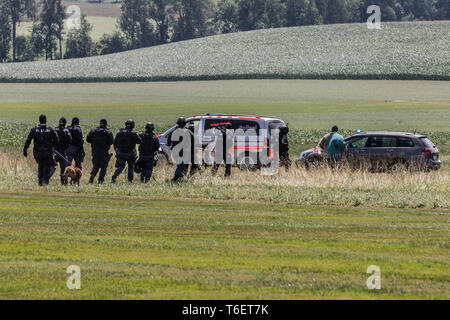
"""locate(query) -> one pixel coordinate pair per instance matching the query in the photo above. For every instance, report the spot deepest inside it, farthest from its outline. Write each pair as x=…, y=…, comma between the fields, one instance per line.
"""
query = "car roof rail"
x=234, y=114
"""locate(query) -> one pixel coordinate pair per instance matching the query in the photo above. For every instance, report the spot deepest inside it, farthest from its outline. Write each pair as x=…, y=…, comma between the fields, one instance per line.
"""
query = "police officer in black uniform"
x=182, y=166
x=285, y=161
x=45, y=140
x=147, y=149
x=226, y=137
x=195, y=167
x=125, y=146
x=76, y=148
x=101, y=139
x=65, y=139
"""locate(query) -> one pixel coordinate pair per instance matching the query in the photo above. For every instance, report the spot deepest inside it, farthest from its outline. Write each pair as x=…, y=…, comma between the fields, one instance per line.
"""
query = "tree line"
x=145, y=23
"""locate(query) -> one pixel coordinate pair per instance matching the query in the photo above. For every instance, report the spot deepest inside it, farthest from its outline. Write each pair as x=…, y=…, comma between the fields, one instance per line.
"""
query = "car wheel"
x=398, y=166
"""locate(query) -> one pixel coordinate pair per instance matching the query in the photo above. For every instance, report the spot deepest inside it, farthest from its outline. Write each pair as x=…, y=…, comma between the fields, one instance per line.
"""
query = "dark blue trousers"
x=74, y=153
x=44, y=161
x=122, y=160
x=180, y=171
x=62, y=166
x=100, y=161
x=147, y=168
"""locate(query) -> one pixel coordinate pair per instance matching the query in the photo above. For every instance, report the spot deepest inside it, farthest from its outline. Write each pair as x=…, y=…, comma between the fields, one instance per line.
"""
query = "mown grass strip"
x=133, y=247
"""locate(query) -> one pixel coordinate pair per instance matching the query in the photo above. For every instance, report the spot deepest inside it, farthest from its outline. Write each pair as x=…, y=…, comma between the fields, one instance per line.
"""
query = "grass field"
x=130, y=247
x=100, y=26
x=299, y=234
x=417, y=51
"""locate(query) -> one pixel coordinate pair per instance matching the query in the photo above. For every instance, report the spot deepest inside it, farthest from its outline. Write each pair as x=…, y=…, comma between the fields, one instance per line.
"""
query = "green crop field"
x=135, y=248
x=349, y=51
x=299, y=234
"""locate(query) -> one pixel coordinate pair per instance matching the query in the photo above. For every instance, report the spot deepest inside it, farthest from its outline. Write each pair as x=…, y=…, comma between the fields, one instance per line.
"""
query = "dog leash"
x=59, y=154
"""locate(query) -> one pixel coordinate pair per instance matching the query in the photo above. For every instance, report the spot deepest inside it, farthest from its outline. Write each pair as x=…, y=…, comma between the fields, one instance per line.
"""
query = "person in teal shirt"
x=336, y=147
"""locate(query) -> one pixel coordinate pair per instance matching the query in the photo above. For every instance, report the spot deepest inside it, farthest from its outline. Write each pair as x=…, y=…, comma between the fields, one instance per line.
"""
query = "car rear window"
x=404, y=142
x=427, y=142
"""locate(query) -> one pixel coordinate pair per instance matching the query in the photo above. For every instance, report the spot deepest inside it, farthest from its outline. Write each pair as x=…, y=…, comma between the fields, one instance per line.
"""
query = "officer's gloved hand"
x=25, y=153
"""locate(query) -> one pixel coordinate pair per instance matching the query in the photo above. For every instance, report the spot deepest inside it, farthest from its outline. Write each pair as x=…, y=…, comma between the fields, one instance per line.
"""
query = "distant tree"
x=399, y=10
x=160, y=11
x=111, y=43
x=51, y=22
x=336, y=11
x=79, y=42
x=274, y=14
x=425, y=9
x=227, y=16
x=5, y=35
x=296, y=11
x=60, y=16
x=134, y=23
x=25, y=48
x=37, y=45
x=322, y=6
x=352, y=12
x=443, y=9
x=313, y=14
x=21, y=47
x=16, y=10
x=389, y=14
x=251, y=14
x=195, y=19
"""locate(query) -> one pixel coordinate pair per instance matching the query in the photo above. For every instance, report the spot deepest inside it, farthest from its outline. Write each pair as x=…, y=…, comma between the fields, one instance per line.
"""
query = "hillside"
x=418, y=50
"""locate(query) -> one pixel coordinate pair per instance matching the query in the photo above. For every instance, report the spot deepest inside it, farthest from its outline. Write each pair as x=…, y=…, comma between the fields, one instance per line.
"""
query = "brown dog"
x=74, y=174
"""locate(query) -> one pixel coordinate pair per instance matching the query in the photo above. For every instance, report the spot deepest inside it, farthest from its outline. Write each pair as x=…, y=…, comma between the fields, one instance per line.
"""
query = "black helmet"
x=103, y=123
x=62, y=121
x=334, y=129
x=129, y=124
x=42, y=119
x=181, y=122
x=149, y=126
x=75, y=121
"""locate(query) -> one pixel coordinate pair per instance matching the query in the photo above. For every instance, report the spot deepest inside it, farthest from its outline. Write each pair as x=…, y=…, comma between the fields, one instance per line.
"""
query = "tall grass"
x=342, y=187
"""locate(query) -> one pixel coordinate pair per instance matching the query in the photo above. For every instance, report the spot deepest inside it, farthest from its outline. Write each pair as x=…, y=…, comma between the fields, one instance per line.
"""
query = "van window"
x=404, y=142
x=276, y=124
x=245, y=125
x=216, y=123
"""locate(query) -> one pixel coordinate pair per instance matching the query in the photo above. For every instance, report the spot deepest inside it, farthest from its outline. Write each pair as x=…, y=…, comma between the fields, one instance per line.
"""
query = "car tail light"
x=269, y=149
x=158, y=137
x=427, y=151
